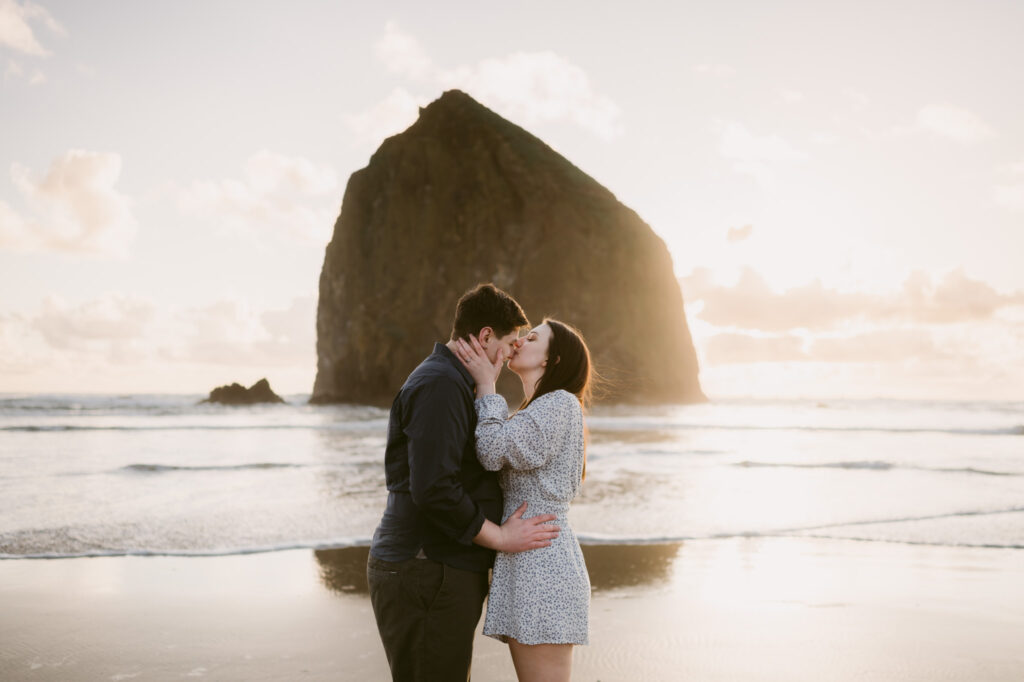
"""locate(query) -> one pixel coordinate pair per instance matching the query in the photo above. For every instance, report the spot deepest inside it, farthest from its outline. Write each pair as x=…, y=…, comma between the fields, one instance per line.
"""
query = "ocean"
x=95, y=475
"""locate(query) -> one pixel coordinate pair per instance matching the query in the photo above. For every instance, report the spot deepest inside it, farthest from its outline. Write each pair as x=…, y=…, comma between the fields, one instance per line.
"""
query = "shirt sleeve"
x=518, y=443
x=437, y=427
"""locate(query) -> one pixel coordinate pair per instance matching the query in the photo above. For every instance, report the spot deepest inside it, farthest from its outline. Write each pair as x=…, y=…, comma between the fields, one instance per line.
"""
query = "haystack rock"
x=464, y=196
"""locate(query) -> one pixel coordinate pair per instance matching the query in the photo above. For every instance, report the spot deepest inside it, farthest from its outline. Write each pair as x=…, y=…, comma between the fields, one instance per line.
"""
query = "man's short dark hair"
x=485, y=305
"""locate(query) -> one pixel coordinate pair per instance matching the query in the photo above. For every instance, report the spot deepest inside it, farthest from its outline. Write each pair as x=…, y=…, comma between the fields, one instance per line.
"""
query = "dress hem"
x=504, y=638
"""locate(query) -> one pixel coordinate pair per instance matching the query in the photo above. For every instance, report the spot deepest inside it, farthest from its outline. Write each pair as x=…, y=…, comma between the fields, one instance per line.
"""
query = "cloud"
x=1009, y=196
x=15, y=71
x=233, y=332
x=297, y=322
x=62, y=339
x=739, y=143
x=897, y=345
x=77, y=346
x=948, y=337
x=538, y=87
x=75, y=207
x=791, y=96
x=527, y=87
x=20, y=348
x=886, y=345
x=284, y=194
x=752, y=154
x=270, y=173
x=956, y=298
x=824, y=137
x=738, y=234
x=857, y=99
x=731, y=348
x=752, y=304
x=13, y=229
x=228, y=331
x=111, y=319
x=15, y=26
x=1009, y=192
x=954, y=123
x=390, y=116
x=714, y=70
x=223, y=332
x=402, y=53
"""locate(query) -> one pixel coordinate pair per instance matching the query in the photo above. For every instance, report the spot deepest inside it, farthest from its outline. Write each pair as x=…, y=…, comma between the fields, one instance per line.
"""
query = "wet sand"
x=732, y=609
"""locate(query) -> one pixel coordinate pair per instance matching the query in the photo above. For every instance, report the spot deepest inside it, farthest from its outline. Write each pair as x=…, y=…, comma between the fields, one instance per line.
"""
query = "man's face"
x=495, y=345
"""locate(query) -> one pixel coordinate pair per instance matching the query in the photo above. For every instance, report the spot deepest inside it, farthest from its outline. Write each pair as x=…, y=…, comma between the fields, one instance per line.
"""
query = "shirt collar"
x=443, y=350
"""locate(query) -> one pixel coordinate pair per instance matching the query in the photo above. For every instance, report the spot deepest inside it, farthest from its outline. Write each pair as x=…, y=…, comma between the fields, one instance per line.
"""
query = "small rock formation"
x=236, y=394
x=462, y=197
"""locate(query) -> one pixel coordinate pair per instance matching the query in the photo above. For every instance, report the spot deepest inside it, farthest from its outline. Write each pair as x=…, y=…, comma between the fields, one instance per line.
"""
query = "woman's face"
x=531, y=351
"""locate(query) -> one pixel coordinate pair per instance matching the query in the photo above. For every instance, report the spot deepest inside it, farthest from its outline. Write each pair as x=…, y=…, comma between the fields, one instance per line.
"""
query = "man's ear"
x=485, y=335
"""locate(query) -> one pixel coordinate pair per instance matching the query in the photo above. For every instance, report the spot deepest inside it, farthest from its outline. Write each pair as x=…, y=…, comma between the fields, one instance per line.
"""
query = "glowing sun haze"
x=841, y=185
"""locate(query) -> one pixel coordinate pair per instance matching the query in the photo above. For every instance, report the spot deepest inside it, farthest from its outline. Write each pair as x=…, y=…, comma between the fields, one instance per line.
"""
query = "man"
x=430, y=554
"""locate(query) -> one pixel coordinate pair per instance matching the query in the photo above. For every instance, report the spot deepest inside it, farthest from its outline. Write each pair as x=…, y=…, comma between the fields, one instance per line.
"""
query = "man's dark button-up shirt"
x=438, y=494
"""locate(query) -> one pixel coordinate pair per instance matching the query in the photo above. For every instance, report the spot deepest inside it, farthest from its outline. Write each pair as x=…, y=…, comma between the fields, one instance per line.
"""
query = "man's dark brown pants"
x=427, y=615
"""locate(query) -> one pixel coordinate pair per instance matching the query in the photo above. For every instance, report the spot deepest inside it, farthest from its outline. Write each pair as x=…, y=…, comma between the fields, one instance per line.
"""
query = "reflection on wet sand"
x=610, y=566
x=343, y=570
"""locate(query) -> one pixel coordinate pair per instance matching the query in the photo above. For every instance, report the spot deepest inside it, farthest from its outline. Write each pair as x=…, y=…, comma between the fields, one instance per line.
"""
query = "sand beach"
x=729, y=609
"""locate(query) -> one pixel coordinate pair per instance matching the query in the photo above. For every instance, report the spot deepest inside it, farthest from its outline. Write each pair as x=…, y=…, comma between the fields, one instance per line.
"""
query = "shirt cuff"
x=491, y=406
x=473, y=530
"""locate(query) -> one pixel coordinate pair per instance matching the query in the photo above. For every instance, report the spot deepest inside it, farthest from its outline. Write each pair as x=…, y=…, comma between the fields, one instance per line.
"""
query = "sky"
x=840, y=185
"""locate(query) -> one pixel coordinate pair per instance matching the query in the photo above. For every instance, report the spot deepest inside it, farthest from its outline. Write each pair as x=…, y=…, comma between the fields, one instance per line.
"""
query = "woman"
x=539, y=600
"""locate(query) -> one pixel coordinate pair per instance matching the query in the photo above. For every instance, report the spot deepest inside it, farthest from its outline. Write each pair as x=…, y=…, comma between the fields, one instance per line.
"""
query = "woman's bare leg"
x=541, y=662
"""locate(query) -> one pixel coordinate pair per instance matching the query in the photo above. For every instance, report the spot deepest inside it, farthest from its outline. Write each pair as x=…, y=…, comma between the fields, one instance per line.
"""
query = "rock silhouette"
x=464, y=196
x=236, y=394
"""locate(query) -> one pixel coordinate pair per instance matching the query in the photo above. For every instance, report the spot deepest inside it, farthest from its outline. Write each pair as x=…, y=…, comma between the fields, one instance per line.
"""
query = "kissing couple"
x=471, y=488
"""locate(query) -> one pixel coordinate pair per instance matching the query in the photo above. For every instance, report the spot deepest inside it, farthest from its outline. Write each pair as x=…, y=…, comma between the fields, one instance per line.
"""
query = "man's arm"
x=437, y=428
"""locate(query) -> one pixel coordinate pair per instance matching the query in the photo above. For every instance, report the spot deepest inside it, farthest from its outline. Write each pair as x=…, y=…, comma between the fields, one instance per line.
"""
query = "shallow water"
x=152, y=474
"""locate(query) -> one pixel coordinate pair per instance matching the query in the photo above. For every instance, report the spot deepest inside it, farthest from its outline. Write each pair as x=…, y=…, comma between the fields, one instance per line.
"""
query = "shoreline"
x=587, y=542
x=761, y=608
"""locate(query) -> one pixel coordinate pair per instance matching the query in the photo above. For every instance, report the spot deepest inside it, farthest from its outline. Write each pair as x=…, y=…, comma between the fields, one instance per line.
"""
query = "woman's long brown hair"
x=569, y=368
